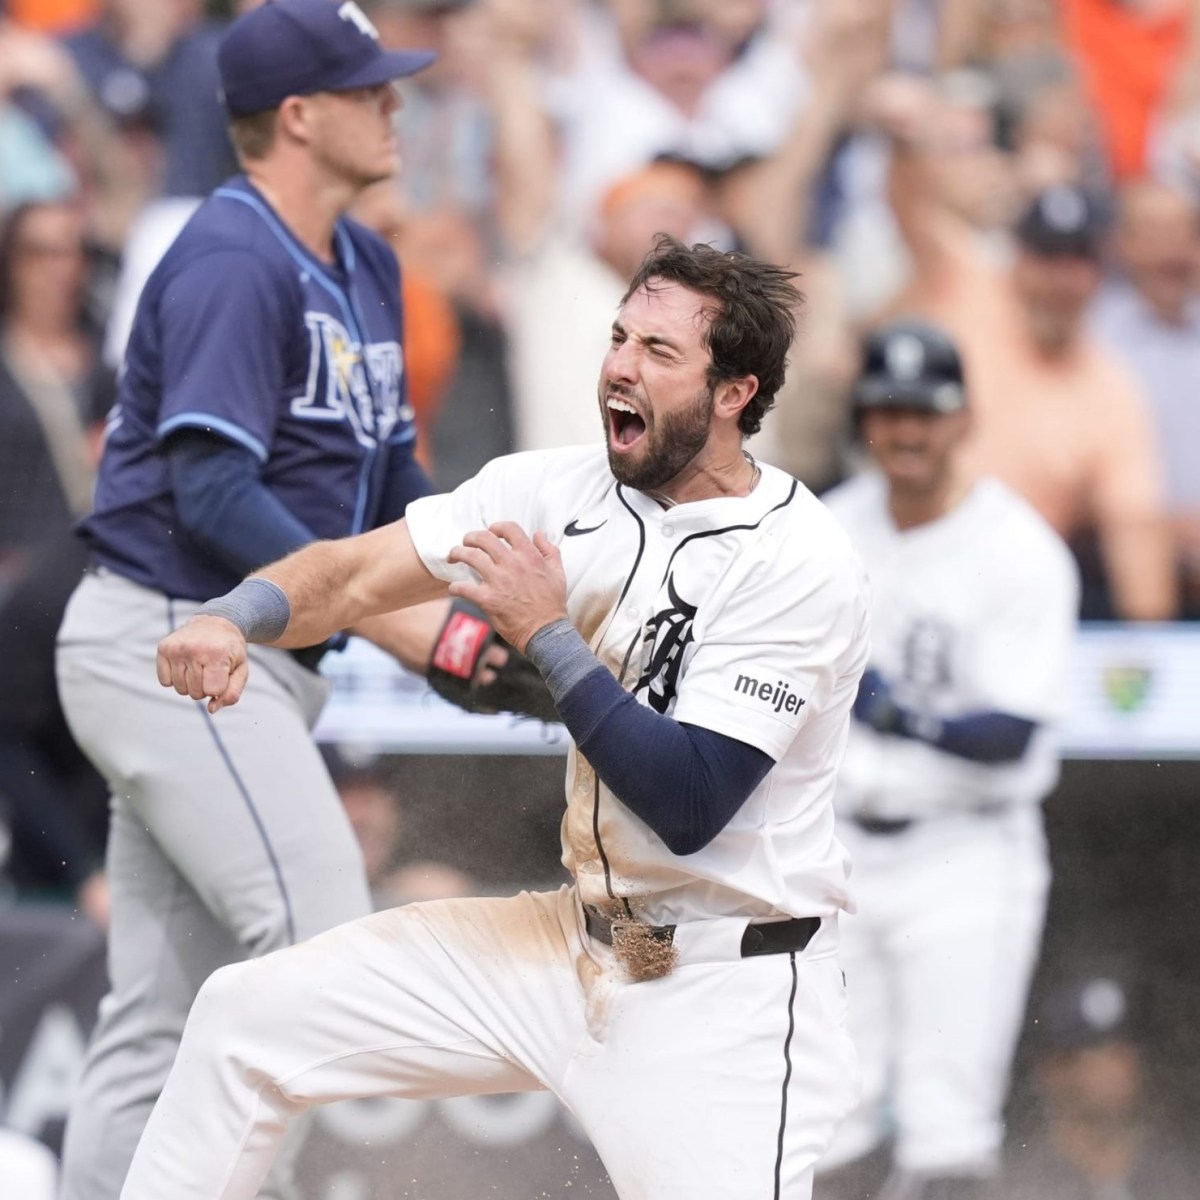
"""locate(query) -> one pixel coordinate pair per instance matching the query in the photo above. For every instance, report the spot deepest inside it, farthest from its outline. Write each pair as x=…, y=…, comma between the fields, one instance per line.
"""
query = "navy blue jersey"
x=241, y=332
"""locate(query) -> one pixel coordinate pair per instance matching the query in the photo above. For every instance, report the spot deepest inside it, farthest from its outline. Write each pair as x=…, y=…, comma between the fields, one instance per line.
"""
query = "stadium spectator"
x=32, y=167
x=447, y=125
x=1151, y=317
x=1096, y=1134
x=966, y=169
x=675, y=82
x=1128, y=54
x=432, y=337
x=52, y=388
x=55, y=144
x=156, y=65
x=53, y=396
x=1136, y=60
x=1058, y=417
x=1044, y=120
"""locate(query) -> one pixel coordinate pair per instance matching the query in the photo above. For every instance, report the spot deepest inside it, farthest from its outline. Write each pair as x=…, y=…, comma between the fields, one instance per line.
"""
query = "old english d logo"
x=1127, y=687
x=667, y=635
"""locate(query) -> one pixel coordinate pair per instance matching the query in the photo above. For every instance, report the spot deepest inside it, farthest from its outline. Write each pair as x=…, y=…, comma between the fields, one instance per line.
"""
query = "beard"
x=670, y=444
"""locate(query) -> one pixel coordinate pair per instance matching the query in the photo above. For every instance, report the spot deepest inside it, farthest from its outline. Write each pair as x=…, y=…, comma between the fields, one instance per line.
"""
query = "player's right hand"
x=205, y=658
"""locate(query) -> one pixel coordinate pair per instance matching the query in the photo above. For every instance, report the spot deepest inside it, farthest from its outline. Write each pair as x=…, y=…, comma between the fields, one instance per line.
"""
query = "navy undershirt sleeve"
x=224, y=504
x=684, y=781
x=985, y=737
x=404, y=482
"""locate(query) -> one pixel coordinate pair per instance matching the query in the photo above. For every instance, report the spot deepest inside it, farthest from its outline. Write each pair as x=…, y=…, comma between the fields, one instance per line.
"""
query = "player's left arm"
x=983, y=736
x=1020, y=659
x=684, y=780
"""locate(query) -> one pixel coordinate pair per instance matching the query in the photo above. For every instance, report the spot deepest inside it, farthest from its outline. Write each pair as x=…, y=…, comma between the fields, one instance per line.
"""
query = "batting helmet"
x=910, y=364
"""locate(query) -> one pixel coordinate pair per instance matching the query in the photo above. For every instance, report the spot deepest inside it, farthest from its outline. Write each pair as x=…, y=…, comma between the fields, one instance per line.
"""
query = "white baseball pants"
x=938, y=961
x=722, y=1080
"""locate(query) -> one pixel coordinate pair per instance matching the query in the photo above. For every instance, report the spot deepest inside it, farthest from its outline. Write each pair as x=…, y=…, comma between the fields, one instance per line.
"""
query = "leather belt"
x=763, y=937
x=887, y=826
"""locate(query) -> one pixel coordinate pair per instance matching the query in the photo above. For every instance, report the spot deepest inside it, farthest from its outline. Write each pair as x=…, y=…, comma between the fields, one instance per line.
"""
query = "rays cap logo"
x=300, y=47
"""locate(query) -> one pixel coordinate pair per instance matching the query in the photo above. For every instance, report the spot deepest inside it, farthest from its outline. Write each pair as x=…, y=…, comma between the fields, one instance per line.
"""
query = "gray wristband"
x=258, y=607
x=562, y=656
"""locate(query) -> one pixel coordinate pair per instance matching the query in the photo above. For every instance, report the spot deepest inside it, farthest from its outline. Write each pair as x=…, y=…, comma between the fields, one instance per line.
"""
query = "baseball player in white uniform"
x=973, y=605
x=702, y=624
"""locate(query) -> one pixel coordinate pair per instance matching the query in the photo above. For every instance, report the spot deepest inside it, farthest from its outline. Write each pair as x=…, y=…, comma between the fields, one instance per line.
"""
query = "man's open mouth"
x=625, y=424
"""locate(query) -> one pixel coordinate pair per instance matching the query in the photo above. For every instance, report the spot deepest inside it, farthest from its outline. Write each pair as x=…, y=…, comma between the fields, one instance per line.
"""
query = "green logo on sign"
x=1127, y=687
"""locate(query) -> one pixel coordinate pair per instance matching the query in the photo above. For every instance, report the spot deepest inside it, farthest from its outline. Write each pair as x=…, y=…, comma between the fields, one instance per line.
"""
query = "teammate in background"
x=973, y=602
x=263, y=405
x=702, y=624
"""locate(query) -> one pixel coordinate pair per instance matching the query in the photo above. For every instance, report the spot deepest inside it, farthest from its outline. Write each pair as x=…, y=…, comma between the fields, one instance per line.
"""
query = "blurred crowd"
x=1024, y=172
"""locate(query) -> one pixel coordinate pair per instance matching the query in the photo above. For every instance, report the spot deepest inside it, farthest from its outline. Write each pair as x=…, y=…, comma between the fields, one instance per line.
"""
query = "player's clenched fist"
x=205, y=659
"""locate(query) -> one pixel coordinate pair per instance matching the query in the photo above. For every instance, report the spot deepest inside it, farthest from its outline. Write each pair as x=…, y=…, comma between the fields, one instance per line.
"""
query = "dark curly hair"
x=752, y=318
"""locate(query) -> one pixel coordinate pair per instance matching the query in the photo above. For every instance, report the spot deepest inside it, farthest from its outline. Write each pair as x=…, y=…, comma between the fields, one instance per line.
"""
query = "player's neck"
x=308, y=207
x=912, y=507
x=705, y=479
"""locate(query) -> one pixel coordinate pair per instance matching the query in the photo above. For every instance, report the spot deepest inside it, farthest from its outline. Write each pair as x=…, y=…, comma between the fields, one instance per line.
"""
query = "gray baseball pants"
x=227, y=841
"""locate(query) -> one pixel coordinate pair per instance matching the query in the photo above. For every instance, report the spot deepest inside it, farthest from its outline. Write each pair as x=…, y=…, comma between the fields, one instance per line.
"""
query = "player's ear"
x=732, y=395
x=295, y=119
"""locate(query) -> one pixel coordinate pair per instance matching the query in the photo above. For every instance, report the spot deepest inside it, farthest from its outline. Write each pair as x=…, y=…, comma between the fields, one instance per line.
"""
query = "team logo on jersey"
x=927, y=655
x=667, y=635
x=349, y=382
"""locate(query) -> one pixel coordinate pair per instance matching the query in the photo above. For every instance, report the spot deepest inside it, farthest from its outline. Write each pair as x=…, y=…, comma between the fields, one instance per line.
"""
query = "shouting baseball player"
x=262, y=406
x=973, y=603
x=702, y=624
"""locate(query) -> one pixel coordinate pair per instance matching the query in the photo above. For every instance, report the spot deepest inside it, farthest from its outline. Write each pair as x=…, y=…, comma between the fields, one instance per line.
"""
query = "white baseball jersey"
x=973, y=612
x=744, y=615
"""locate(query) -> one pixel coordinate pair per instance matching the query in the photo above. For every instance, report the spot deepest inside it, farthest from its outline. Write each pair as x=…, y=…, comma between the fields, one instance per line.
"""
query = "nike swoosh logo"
x=573, y=530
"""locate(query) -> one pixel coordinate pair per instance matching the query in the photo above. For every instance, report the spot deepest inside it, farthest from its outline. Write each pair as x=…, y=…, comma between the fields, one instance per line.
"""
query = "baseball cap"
x=910, y=364
x=298, y=47
x=435, y=8
x=1085, y=1011
x=1063, y=220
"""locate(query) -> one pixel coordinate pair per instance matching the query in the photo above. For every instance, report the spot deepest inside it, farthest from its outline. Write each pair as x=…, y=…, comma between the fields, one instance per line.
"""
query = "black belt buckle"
x=603, y=929
x=779, y=937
